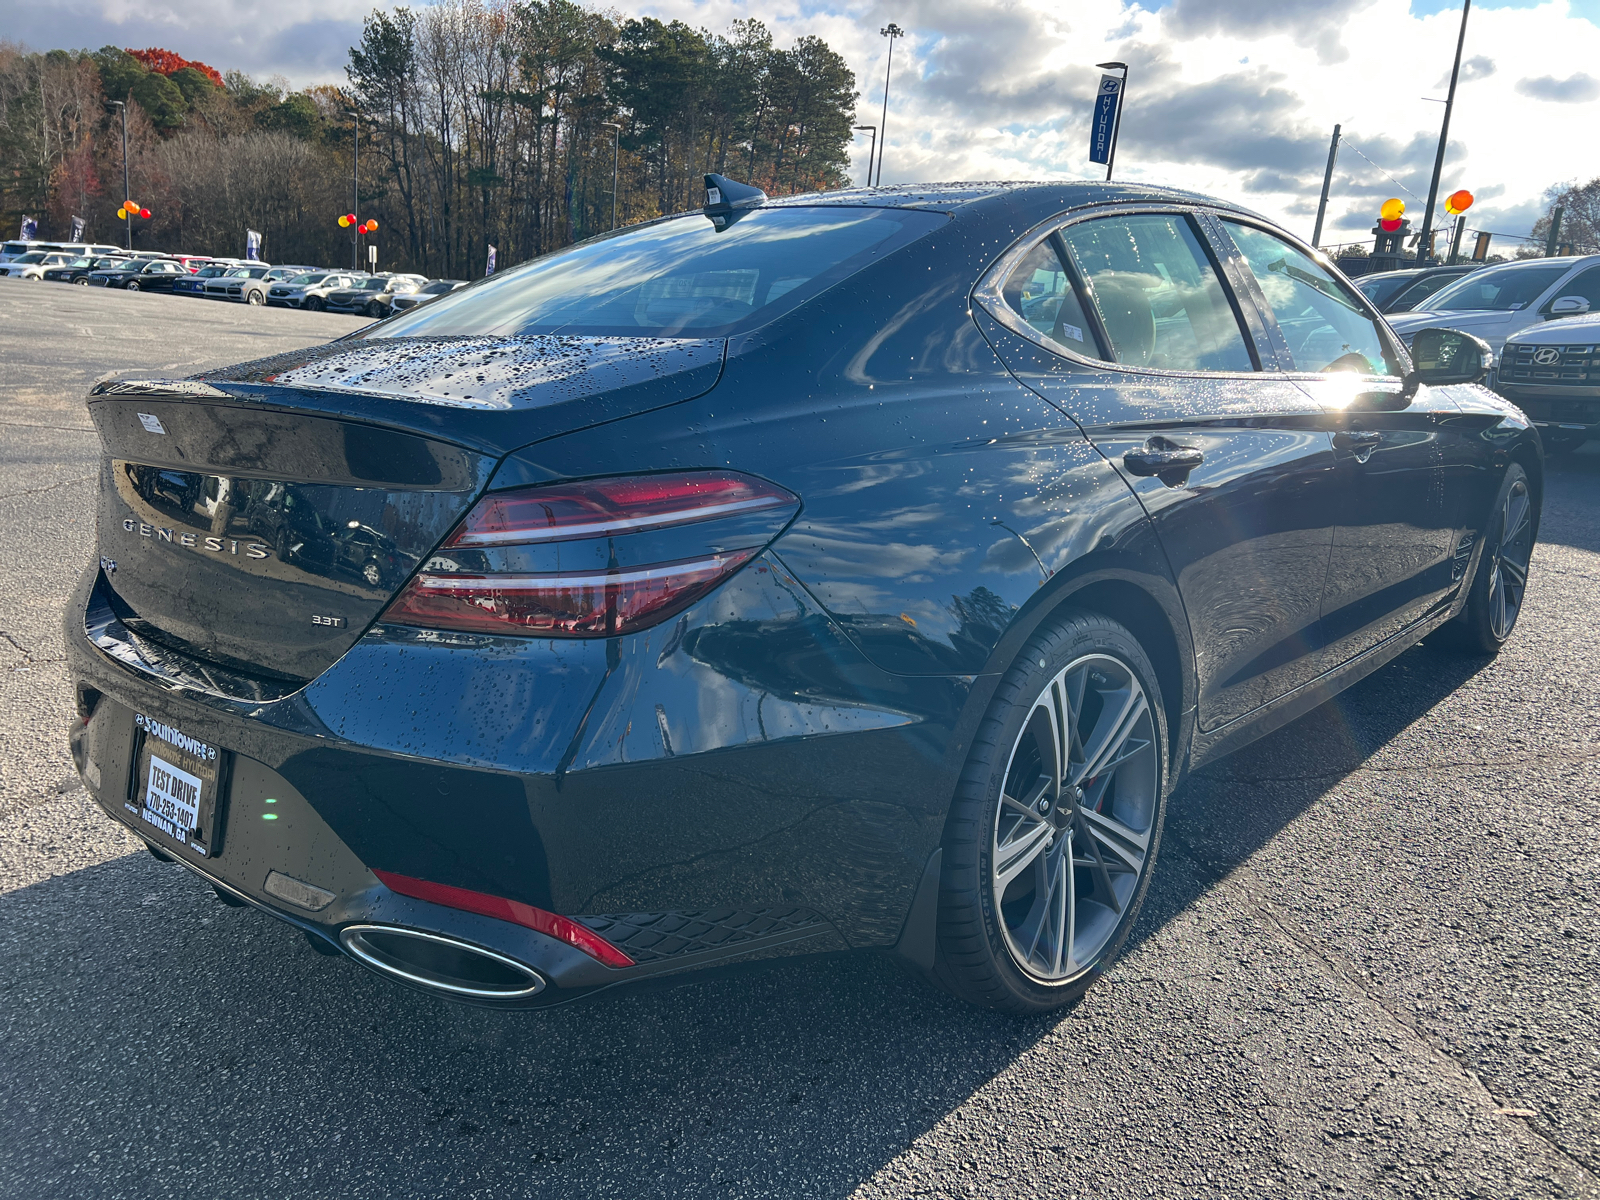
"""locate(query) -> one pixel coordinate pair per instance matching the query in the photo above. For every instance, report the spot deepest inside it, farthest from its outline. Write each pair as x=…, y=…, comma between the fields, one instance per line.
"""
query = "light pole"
x=616, y=152
x=355, y=188
x=890, y=31
x=1327, y=182
x=872, y=150
x=1444, y=137
x=125, y=189
x=1122, y=103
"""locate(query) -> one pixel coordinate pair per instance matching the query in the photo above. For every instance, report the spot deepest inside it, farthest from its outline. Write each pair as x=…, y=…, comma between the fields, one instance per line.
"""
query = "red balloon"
x=1389, y=226
x=145, y=213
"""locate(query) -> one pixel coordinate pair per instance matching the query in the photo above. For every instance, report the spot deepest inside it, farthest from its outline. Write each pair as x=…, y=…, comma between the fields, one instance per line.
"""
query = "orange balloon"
x=130, y=206
x=372, y=227
x=1393, y=209
x=1458, y=202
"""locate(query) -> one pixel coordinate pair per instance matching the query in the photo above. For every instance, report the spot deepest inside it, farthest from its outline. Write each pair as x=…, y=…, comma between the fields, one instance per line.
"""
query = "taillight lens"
x=642, y=582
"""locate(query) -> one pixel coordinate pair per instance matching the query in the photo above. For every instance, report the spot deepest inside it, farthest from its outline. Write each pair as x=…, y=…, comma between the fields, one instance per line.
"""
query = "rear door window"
x=1324, y=321
x=1159, y=298
x=1040, y=291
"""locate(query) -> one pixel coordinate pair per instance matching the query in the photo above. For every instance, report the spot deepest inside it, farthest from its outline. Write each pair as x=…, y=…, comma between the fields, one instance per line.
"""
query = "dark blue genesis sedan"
x=859, y=570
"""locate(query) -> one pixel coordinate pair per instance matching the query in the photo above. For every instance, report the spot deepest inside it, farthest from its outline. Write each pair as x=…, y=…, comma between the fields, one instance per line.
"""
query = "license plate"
x=176, y=785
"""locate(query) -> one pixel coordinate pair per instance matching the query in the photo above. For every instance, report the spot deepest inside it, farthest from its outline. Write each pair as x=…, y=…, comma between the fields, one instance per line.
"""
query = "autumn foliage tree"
x=479, y=122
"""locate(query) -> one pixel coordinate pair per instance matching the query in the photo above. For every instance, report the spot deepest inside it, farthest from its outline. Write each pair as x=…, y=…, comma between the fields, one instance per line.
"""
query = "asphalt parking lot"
x=1369, y=966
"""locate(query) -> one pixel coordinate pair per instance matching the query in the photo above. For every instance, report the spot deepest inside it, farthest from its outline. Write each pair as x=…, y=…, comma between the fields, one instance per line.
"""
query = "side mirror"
x=1449, y=356
x=1568, y=306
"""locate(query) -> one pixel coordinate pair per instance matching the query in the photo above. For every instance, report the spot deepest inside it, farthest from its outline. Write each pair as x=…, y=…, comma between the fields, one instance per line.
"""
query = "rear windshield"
x=678, y=276
x=1496, y=289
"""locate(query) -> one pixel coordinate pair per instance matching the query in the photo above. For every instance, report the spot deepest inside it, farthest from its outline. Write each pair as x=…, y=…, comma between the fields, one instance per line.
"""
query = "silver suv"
x=1552, y=372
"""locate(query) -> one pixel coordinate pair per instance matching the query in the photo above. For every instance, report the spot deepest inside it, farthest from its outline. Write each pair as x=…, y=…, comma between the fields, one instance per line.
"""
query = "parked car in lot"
x=34, y=264
x=10, y=251
x=139, y=275
x=310, y=290
x=428, y=291
x=1403, y=291
x=232, y=282
x=195, y=284
x=861, y=569
x=373, y=296
x=78, y=270
x=1494, y=302
x=1552, y=372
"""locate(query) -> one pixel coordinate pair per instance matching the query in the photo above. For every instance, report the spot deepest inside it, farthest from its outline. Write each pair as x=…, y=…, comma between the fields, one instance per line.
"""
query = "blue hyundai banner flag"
x=252, y=245
x=1105, y=118
x=490, y=271
x=30, y=229
x=77, y=229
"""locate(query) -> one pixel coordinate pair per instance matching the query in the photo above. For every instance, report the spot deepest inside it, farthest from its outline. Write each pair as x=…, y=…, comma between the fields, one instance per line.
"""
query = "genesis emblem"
x=1547, y=356
x=195, y=541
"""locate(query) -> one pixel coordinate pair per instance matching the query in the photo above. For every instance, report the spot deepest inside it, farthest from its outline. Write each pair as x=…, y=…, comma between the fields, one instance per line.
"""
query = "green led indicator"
x=270, y=800
x=269, y=816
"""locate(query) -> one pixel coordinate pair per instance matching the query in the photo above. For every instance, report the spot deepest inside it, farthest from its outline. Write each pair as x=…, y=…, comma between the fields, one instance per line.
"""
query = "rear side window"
x=1420, y=291
x=1159, y=298
x=677, y=276
x=1040, y=292
x=1586, y=285
x=1324, y=322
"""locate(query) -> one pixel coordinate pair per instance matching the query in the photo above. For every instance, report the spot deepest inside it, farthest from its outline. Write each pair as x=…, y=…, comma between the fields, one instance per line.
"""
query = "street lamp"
x=872, y=150
x=1444, y=137
x=890, y=31
x=355, y=188
x=616, y=151
x=126, y=191
x=1122, y=103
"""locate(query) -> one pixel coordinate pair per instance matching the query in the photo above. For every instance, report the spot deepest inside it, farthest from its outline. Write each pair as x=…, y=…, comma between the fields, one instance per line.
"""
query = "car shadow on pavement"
x=1572, y=485
x=158, y=1043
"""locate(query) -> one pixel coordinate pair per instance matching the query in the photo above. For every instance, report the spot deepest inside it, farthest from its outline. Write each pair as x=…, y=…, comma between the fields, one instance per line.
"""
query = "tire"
x=375, y=311
x=81, y=281
x=254, y=298
x=316, y=305
x=132, y=285
x=1499, y=585
x=1093, y=877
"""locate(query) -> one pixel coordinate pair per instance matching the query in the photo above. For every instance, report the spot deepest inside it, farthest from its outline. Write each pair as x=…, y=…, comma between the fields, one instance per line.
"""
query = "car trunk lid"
x=261, y=518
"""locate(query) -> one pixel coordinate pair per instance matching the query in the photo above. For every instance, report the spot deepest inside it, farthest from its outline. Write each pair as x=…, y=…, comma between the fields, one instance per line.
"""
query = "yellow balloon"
x=122, y=214
x=343, y=222
x=1393, y=209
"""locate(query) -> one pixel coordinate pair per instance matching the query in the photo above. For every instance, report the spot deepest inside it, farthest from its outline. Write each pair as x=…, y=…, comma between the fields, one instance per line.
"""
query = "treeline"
x=478, y=123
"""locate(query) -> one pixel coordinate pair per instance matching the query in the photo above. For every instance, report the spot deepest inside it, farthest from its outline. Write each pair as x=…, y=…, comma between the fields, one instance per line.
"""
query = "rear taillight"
x=594, y=559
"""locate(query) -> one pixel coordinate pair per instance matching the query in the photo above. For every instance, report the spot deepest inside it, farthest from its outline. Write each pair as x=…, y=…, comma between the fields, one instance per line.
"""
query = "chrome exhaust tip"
x=440, y=963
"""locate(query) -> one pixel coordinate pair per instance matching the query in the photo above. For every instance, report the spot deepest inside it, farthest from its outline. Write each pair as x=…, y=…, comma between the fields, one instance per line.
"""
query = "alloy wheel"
x=1508, y=580
x=1072, y=830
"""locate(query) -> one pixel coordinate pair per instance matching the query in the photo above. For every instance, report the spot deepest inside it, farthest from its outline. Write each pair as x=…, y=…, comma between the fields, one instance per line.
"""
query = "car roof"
x=1040, y=199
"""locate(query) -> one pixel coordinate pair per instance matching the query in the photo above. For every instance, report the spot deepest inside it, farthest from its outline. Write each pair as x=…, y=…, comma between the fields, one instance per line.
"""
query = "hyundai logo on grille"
x=1547, y=356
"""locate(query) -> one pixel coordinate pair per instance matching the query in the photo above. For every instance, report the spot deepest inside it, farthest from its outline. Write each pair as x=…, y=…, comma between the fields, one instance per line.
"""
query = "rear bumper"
x=729, y=786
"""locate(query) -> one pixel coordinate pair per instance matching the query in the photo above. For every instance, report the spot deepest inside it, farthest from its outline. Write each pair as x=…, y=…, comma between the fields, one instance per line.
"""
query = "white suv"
x=1552, y=372
x=1498, y=301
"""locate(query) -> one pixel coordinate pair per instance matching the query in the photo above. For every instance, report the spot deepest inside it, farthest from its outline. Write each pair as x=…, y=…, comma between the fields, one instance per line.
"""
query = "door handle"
x=1360, y=442
x=1167, y=460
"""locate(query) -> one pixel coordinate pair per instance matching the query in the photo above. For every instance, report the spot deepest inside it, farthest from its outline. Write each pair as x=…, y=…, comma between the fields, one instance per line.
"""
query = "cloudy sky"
x=1233, y=97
